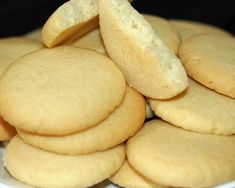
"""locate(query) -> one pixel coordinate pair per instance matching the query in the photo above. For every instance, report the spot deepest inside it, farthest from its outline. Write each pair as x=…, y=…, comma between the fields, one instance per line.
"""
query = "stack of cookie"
x=193, y=145
x=73, y=111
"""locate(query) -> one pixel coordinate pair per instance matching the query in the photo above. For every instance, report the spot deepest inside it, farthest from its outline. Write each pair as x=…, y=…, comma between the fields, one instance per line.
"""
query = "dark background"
x=20, y=16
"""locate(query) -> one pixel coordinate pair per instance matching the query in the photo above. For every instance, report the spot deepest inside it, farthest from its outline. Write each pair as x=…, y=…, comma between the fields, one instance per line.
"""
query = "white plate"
x=6, y=181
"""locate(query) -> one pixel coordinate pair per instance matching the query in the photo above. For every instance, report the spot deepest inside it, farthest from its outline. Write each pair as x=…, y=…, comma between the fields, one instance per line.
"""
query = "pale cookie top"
x=210, y=59
x=198, y=109
x=187, y=28
x=127, y=177
x=165, y=30
x=176, y=157
x=91, y=40
x=54, y=170
x=123, y=123
x=12, y=48
x=60, y=91
x=148, y=65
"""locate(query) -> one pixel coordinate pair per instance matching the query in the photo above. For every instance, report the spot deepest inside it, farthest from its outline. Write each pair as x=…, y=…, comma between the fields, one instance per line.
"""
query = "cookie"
x=179, y=158
x=12, y=48
x=124, y=122
x=148, y=65
x=72, y=18
x=165, y=30
x=127, y=177
x=54, y=170
x=187, y=28
x=210, y=59
x=60, y=91
x=198, y=109
x=35, y=34
x=91, y=40
x=6, y=130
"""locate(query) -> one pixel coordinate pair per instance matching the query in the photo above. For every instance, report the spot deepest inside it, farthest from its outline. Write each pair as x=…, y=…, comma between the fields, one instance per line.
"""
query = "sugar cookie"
x=54, y=170
x=148, y=65
x=124, y=122
x=175, y=157
x=127, y=177
x=210, y=59
x=12, y=48
x=74, y=17
x=187, y=28
x=198, y=109
x=60, y=91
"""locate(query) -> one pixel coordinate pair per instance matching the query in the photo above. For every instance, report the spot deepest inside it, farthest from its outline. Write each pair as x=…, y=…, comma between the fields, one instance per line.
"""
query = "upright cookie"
x=127, y=177
x=72, y=18
x=210, y=59
x=91, y=40
x=198, y=109
x=165, y=30
x=54, y=170
x=60, y=91
x=124, y=122
x=180, y=158
x=187, y=28
x=148, y=65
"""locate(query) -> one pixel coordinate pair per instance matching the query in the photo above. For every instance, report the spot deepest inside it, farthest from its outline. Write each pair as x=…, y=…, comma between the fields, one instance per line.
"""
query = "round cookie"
x=187, y=28
x=180, y=158
x=35, y=34
x=198, y=109
x=54, y=170
x=165, y=31
x=60, y=91
x=72, y=19
x=91, y=40
x=6, y=130
x=12, y=48
x=127, y=177
x=210, y=59
x=148, y=64
x=123, y=123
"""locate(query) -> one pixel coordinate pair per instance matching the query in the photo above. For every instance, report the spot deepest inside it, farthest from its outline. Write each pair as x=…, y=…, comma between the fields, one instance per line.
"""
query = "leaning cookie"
x=72, y=18
x=198, y=109
x=127, y=177
x=175, y=157
x=60, y=91
x=54, y=170
x=148, y=65
x=123, y=123
x=210, y=59
x=187, y=28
